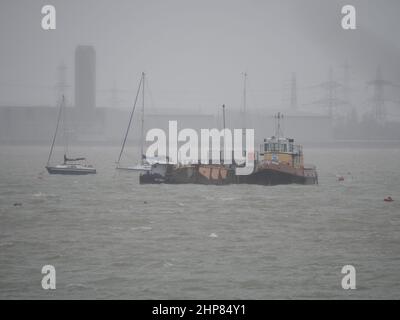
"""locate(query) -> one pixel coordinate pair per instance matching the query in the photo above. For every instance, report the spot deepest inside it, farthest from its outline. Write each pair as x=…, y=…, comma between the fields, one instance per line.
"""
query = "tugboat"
x=280, y=166
x=280, y=161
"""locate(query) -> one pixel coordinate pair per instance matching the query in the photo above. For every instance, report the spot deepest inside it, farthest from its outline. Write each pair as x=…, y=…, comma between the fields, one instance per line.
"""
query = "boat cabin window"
x=277, y=147
x=271, y=147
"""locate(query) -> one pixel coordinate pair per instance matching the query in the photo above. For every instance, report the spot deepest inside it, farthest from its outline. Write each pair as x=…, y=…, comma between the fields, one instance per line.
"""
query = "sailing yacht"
x=143, y=164
x=71, y=166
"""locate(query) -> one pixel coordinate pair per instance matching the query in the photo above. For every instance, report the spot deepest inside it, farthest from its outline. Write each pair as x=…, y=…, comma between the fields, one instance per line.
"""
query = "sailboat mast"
x=244, y=113
x=65, y=129
x=224, y=127
x=55, y=133
x=130, y=119
x=142, y=121
x=223, y=116
x=244, y=99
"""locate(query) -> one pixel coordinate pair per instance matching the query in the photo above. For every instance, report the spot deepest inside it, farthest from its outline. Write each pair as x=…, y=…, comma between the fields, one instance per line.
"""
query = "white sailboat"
x=70, y=166
x=143, y=164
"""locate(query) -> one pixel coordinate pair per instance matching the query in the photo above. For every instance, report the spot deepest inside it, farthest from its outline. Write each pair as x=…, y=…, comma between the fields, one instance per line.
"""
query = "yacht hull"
x=70, y=170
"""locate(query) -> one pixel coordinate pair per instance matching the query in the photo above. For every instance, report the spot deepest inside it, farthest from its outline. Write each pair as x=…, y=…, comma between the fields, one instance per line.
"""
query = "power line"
x=378, y=98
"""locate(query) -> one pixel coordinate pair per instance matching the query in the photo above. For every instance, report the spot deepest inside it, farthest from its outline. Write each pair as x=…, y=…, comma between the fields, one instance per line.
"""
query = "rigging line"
x=244, y=99
x=55, y=133
x=130, y=119
x=142, y=125
x=65, y=129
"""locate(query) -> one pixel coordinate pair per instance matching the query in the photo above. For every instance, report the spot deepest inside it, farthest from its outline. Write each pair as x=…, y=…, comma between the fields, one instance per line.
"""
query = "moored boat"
x=70, y=166
x=279, y=161
x=144, y=165
x=72, y=169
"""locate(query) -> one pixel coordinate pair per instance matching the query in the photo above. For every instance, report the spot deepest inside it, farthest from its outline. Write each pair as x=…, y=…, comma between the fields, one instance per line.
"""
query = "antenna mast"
x=278, y=131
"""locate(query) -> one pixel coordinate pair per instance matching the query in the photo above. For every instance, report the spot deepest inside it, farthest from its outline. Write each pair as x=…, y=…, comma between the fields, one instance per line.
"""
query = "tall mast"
x=130, y=119
x=55, y=133
x=223, y=116
x=278, y=131
x=244, y=99
x=65, y=129
x=223, y=123
x=142, y=121
x=244, y=124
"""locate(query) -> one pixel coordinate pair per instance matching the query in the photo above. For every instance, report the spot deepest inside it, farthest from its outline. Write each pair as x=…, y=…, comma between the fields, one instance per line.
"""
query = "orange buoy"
x=388, y=199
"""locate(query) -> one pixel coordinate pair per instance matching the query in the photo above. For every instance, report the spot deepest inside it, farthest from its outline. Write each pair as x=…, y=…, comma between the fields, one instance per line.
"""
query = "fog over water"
x=110, y=237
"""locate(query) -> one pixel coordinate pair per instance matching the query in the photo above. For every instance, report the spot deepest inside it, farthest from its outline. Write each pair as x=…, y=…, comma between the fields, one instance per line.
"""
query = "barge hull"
x=214, y=175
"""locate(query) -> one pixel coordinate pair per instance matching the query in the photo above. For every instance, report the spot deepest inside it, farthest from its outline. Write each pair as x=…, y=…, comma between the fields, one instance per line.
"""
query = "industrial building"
x=88, y=123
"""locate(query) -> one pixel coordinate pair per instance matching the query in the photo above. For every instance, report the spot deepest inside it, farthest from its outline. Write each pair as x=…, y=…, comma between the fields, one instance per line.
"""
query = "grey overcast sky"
x=194, y=51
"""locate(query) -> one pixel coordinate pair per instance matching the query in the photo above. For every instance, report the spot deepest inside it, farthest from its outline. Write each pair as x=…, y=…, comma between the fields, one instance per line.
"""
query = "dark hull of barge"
x=221, y=175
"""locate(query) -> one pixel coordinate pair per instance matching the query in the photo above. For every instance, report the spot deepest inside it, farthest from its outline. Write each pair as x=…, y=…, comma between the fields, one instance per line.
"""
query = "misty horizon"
x=195, y=57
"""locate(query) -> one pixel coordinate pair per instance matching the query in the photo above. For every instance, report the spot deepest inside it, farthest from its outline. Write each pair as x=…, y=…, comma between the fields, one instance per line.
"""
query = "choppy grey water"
x=109, y=237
